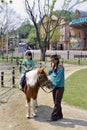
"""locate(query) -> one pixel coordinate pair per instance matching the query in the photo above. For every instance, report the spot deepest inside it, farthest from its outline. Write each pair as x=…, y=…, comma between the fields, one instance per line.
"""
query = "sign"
x=75, y=43
x=79, y=20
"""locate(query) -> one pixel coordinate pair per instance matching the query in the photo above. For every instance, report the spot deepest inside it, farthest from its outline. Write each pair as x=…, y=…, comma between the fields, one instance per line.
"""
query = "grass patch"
x=76, y=62
x=76, y=89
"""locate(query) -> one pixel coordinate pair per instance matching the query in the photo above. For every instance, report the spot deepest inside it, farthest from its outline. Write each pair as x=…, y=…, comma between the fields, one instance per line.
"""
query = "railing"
x=12, y=74
x=8, y=77
x=9, y=80
x=80, y=56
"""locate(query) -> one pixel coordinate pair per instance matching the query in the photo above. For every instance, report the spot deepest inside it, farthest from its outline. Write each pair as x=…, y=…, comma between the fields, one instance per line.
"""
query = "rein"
x=44, y=83
x=45, y=90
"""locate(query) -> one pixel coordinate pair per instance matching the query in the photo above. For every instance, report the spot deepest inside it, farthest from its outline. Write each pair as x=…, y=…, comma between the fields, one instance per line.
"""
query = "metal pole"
x=13, y=77
x=68, y=54
x=20, y=67
x=2, y=79
x=78, y=61
x=40, y=64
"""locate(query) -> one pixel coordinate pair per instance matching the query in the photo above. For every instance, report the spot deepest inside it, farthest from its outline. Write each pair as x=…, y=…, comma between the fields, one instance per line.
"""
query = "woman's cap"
x=28, y=53
x=54, y=57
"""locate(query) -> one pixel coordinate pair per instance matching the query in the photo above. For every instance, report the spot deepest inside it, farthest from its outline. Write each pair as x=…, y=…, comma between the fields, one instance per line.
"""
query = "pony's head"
x=38, y=76
x=43, y=78
x=42, y=75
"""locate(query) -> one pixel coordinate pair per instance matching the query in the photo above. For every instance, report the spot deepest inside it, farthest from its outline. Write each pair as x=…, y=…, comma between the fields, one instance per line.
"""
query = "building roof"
x=81, y=13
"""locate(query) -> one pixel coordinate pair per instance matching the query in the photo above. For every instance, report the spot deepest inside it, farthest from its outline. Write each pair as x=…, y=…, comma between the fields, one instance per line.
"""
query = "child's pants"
x=22, y=79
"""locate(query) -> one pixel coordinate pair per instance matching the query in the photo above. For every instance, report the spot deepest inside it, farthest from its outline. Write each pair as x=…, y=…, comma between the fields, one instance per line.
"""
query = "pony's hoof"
x=28, y=117
x=34, y=115
x=36, y=106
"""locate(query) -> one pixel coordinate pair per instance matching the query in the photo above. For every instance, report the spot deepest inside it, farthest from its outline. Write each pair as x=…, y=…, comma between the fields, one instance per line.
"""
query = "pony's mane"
x=31, y=77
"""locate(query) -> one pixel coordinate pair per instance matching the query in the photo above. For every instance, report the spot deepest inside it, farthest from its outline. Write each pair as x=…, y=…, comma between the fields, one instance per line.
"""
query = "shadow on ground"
x=44, y=113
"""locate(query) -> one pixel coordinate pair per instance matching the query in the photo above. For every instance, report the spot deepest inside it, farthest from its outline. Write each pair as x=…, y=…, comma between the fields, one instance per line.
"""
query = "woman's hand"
x=53, y=66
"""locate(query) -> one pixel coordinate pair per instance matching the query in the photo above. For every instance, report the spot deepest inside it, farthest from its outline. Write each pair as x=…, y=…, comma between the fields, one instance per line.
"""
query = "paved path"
x=13, y=114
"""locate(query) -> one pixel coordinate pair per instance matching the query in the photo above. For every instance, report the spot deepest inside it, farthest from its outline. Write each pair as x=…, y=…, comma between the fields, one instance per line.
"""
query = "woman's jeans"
x=57, y=98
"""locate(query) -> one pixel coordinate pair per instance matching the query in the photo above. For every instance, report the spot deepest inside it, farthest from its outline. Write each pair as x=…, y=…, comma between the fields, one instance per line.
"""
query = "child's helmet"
x=28, y=53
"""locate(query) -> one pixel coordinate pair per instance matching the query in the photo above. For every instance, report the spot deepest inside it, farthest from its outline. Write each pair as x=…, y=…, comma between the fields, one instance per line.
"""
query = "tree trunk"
x=43, y=51
x=43, y=54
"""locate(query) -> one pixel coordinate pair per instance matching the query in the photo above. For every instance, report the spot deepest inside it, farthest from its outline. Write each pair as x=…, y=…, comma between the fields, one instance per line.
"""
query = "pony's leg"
x=36, y=104
x=34, y=108
x=26, y=104
x=28, y=112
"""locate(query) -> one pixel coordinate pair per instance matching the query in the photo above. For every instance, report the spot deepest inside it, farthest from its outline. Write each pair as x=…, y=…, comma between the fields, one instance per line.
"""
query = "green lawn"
x=76, y=62
x=76, y=89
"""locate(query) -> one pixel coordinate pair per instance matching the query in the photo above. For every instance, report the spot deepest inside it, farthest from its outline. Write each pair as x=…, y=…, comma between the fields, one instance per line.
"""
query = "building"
x=78, y=32
x=72, y=35
x=63, y=42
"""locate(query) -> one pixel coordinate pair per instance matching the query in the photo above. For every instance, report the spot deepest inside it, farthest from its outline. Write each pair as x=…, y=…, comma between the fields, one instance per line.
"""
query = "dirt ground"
x=13, y=113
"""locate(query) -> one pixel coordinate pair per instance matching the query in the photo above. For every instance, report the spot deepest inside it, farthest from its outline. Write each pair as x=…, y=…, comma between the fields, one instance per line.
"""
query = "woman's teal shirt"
x=57, y=77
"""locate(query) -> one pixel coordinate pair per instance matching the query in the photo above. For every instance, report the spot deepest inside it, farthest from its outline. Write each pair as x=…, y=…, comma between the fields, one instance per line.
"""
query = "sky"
x=19, y=6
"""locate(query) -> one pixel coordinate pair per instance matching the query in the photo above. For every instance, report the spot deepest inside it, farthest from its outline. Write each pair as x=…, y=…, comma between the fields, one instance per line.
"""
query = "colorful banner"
x=75, y=43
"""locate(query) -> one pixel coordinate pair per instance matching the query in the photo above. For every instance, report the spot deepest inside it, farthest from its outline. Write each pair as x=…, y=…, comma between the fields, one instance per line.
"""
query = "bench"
x=80, y=56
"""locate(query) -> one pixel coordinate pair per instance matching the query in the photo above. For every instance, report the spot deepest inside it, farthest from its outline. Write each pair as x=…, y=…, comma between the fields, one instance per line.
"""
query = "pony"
x=35, y=79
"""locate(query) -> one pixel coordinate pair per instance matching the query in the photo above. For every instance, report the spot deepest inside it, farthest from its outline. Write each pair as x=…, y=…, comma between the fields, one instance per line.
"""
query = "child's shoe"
x=20, y=87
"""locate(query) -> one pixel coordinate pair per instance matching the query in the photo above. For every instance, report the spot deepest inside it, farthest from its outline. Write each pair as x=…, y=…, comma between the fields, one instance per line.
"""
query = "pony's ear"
x=41, y=69
x=44, y=70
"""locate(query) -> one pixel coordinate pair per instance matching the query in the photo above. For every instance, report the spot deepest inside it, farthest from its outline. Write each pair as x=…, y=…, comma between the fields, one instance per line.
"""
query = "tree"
x=55, y=36
x=32, y=37
x=24, y=29
x=37, y=10
x=9, y=20
x=68, y=15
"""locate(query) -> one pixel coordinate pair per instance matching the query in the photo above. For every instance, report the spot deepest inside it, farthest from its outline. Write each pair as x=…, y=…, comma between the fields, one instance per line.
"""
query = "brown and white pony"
x=35, y=79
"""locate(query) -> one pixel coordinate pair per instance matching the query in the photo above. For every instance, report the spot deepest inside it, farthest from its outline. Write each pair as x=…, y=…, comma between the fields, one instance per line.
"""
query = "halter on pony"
x=45, y=84
x=38, y=75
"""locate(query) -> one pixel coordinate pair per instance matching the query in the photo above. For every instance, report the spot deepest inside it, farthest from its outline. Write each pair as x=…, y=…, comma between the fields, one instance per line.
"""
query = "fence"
x=11, y=59
x=9, y=80
x=69, y=54
x=10, y=77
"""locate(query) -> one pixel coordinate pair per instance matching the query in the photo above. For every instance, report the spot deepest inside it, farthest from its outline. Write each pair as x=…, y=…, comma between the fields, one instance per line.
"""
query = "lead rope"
x=45, y=90
x=44, y=85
